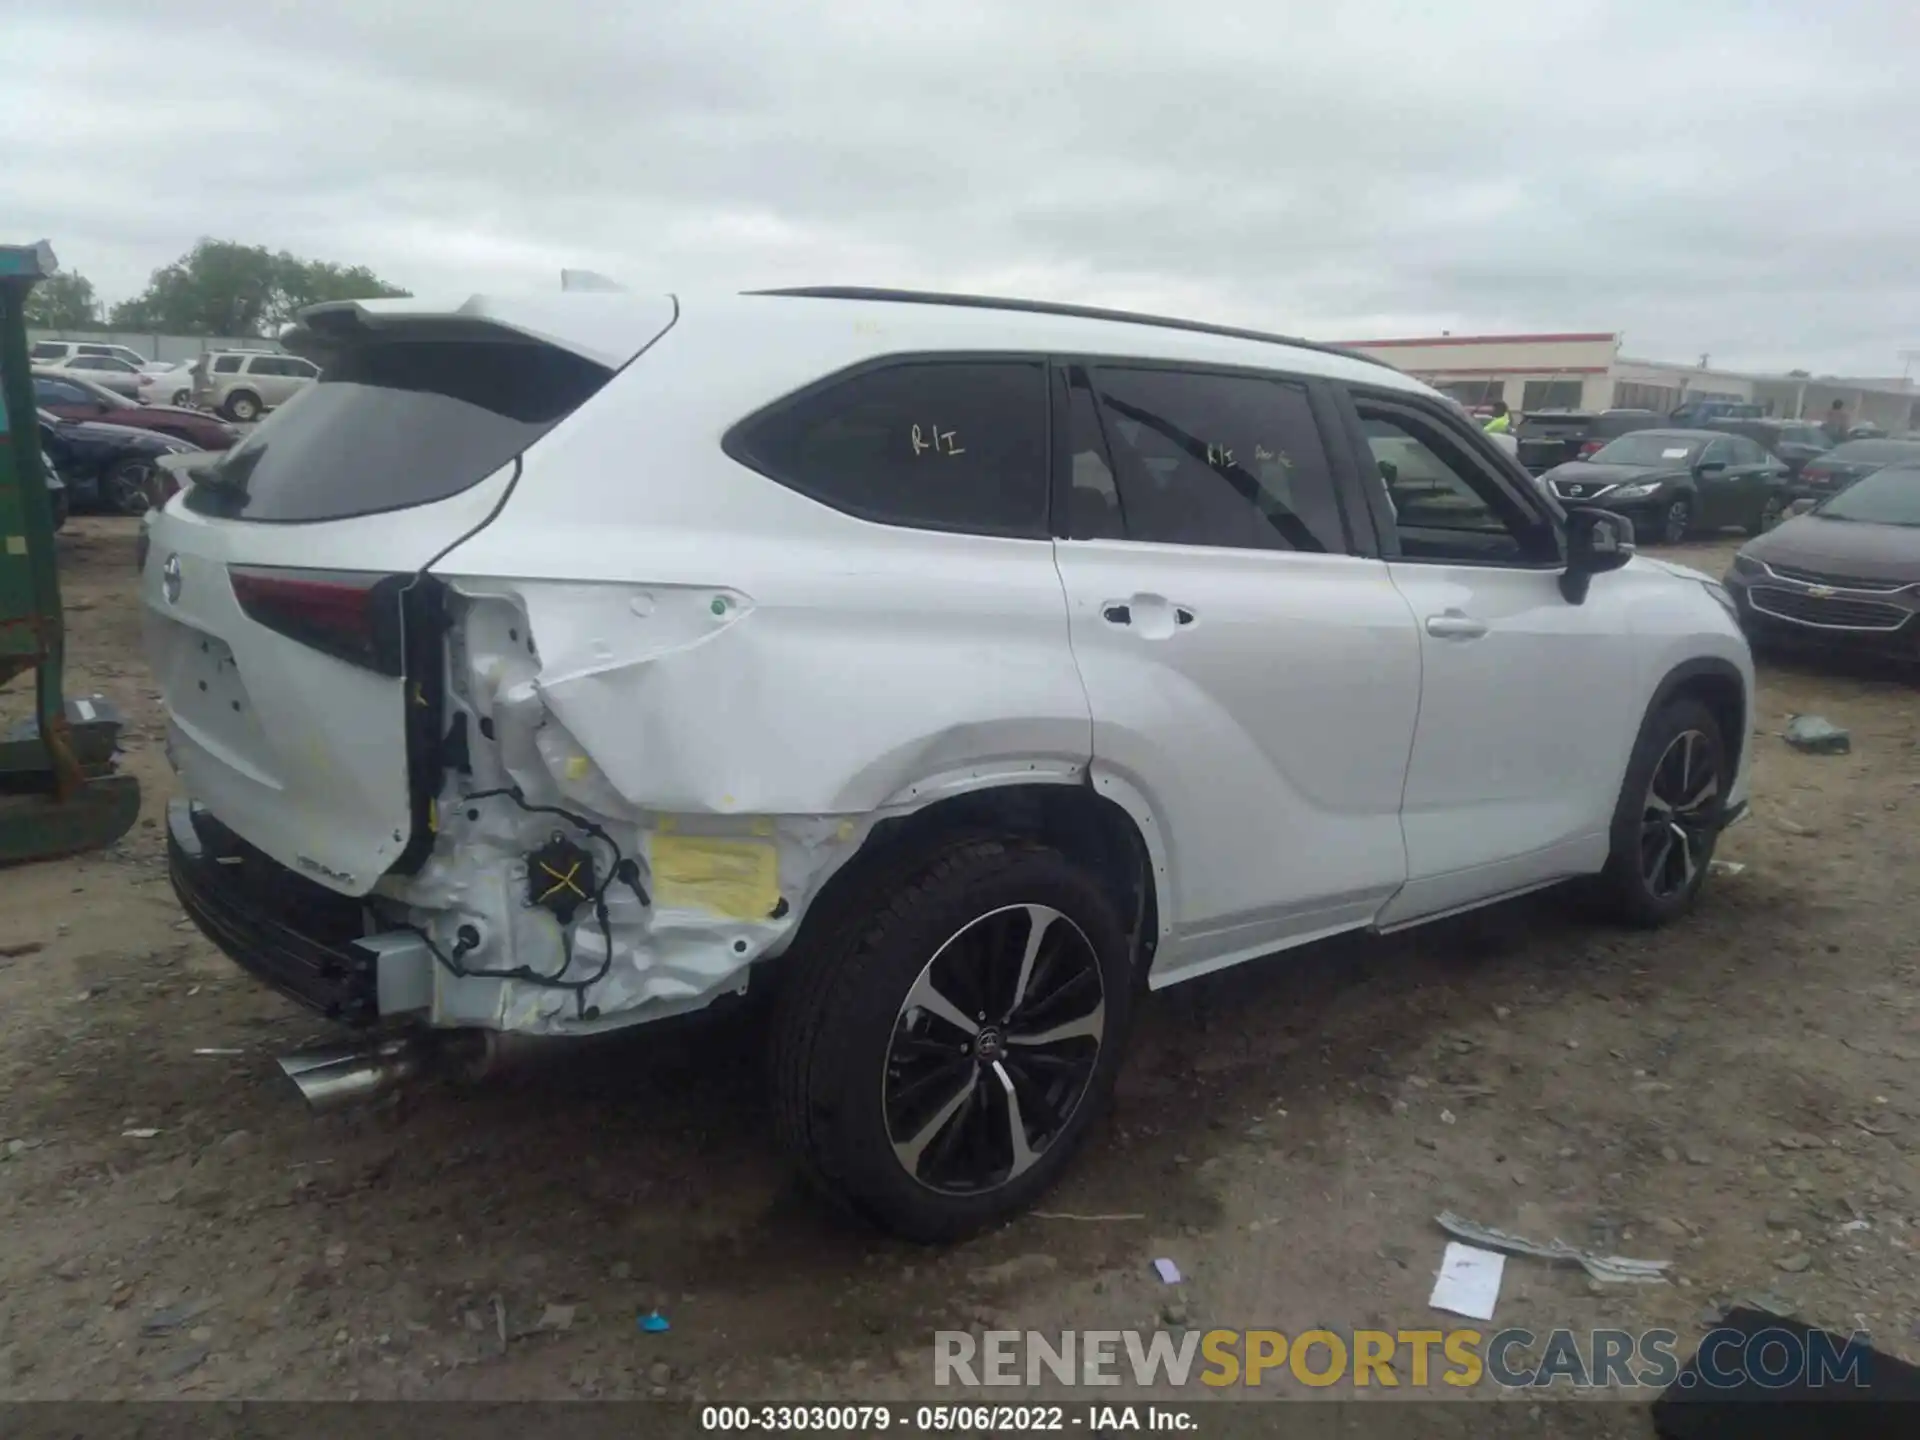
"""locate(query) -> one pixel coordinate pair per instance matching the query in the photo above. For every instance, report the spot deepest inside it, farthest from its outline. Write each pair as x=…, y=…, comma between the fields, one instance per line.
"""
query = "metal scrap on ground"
x=1615, y=1268
x=1817, y=735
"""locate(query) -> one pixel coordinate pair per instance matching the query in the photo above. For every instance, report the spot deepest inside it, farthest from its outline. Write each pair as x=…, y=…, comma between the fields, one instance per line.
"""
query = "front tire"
x=939, y=1059
x=242, y=407
x=1677, y=521
x=1668, y=817
x=129, y=488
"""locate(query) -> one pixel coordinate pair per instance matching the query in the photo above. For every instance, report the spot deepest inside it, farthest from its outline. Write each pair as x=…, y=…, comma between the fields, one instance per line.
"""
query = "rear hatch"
x=1548, y=438
x=289, y=623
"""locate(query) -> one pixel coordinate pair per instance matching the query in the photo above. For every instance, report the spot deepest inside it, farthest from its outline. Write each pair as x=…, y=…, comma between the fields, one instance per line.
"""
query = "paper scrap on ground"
x=1615, y=1268
x=141, y=1134
x=1167, y=1271
x=1725, y=867
x=1469, y=1281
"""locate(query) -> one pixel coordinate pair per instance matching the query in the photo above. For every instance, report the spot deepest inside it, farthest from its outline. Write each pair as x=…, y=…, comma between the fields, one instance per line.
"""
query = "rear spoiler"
x=606, y=327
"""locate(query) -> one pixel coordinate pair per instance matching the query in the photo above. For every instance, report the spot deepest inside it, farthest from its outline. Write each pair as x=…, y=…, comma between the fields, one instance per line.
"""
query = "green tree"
x=64, y=302
x=223, y=288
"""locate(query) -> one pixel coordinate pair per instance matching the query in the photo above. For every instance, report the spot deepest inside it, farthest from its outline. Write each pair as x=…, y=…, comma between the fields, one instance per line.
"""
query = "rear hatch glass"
x=397, y=423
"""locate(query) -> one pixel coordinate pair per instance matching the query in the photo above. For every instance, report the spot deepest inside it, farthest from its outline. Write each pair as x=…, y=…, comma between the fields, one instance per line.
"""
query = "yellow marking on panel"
x=16, y=544
x=576, y=767
x=739, y=879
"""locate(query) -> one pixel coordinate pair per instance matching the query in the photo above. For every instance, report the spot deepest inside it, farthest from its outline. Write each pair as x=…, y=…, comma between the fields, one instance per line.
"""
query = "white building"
x=1586, y=371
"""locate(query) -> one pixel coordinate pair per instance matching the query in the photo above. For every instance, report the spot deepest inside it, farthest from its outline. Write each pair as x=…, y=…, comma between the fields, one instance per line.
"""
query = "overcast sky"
x=1702, y=175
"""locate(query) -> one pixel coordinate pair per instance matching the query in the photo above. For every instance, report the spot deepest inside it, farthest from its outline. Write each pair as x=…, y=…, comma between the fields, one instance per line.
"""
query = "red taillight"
x=1589, y=447
x=349, y=615
x=1817, y=477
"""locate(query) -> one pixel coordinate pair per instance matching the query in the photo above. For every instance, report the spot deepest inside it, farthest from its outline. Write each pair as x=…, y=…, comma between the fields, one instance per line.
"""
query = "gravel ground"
x=1738, y=1094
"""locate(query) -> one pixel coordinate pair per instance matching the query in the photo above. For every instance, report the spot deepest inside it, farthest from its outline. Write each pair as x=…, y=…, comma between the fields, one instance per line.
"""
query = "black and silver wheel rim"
x=1679, y=516
x=244, y=409
x=993, y=1049
x=130, y=488
x=1678, y=823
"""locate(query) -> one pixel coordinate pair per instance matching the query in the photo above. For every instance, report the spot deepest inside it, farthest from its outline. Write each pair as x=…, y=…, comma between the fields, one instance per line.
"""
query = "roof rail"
x=1080, y=312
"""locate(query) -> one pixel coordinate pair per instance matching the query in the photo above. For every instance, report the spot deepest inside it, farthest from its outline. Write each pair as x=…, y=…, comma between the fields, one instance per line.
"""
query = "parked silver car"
x=243, y=384
x=111, y=371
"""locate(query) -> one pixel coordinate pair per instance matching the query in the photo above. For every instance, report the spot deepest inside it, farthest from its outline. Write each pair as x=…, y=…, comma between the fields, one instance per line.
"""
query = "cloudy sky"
x=1740, y=177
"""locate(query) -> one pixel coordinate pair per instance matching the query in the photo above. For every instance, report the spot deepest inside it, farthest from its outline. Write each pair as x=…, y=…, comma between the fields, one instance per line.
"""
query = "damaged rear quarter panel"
x=739, y=751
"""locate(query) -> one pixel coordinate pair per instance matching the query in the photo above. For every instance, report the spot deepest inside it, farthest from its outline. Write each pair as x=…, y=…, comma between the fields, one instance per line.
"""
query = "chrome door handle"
x=1455, y=626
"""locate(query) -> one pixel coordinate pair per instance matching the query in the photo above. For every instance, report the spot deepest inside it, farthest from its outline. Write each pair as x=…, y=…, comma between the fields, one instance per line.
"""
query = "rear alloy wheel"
x=973, y=1099
x=1667, y=822
x=243, y=407
x=1769, y=516
x=129, y=487
x=1678, y=520
x=181, y=397
x=937, y=1063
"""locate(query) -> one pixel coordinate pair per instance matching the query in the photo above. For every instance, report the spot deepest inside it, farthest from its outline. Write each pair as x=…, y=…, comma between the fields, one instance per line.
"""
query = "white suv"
x=957, y=668
x=47, y=354
x=242, y=385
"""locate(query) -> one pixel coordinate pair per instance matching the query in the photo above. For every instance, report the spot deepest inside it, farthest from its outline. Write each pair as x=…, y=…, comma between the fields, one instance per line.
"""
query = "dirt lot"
x=1739, y=1094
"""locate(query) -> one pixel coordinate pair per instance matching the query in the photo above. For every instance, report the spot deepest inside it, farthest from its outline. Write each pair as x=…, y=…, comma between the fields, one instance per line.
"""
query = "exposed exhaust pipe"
x=332, y=1078
x=329, y=1079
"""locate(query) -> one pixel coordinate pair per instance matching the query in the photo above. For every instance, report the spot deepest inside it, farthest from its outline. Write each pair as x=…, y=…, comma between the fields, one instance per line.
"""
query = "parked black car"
x=1792, y=442
x=1672, y=482
x=1548, y=438
x=1699, y=412
x=1849, y=461
x=1845, y=576
x=106, y=467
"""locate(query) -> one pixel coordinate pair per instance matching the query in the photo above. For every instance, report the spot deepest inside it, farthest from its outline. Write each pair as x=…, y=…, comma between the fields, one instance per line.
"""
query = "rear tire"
x=242, y=407
x=181, y=397
x=907, y=1080
x=1668, y=817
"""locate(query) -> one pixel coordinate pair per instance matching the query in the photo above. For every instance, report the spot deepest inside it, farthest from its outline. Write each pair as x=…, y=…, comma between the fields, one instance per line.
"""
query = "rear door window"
x=936, y=445
x=1234, y=461
x=397, y=424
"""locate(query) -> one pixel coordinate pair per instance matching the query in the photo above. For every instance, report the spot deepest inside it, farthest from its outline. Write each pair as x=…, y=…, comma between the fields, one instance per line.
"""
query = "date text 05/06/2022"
x=949, y=1419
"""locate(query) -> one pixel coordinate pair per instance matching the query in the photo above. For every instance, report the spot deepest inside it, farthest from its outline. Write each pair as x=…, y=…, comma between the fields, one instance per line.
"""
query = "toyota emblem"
x=170, y=579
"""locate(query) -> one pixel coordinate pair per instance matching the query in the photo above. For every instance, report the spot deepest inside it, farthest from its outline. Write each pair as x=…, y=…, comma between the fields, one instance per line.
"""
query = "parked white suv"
x=47, y=354
x=244, y=384
x=958, y=668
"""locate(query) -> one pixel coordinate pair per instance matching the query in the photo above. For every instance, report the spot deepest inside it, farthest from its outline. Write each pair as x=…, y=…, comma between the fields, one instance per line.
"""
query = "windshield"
x=1886, y=497
x=1650, y=447
x=1880, y=452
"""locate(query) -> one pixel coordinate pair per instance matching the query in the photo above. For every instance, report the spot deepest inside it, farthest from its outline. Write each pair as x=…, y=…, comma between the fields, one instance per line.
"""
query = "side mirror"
x=1597, y=541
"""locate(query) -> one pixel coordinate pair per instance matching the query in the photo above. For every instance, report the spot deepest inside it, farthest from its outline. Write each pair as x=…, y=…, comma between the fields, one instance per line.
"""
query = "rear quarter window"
x=942, y=444
x=394, y=425
x=227, y=365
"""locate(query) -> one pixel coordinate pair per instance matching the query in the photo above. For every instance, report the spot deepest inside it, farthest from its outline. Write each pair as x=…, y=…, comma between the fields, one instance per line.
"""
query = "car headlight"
x=1638, y=492
x=1719, y=593
x=1745, y=564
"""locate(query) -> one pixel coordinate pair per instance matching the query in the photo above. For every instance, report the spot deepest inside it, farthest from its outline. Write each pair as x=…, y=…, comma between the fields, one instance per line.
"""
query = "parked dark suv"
x=1792, y=442
x=1552, y=437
